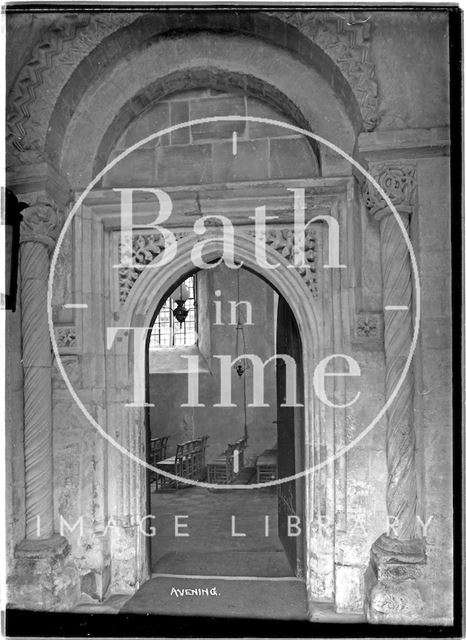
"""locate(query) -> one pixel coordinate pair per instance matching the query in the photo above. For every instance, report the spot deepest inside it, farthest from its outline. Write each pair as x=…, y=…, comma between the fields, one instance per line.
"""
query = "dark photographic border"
x=17, y=623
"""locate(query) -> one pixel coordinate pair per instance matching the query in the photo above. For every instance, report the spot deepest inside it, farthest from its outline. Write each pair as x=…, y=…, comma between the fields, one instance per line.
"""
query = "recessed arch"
x=198, y=78
x=60, y=96
x=274, y=67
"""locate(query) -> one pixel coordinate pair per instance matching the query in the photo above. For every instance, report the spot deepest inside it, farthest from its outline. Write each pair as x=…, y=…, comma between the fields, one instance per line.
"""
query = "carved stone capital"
x=398, y=181
x=41, y=223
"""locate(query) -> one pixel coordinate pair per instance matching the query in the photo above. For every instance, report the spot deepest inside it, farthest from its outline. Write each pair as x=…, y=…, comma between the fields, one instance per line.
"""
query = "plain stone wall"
x=223, y=425
x=203, y=153
x=410, y=53
x=434, y=383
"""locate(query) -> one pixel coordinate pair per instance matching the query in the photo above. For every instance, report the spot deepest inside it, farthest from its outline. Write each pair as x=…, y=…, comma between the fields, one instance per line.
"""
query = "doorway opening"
x=230, y=432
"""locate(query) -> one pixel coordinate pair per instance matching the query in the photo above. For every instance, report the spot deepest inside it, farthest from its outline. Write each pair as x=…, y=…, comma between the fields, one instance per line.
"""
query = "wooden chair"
x=175, y=465
x=266, y=466
x=221, y=470
x=157, y=452
x=188, y=462
x=202, y=464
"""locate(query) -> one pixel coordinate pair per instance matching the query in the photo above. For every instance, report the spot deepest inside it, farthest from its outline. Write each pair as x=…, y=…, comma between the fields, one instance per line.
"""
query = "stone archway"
x=140, y=307
x=120, y=560
x=328, y=41
x=136, y=80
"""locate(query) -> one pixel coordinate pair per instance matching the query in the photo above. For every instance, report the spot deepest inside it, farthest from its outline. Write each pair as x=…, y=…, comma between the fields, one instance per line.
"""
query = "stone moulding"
x=72, y=37
x=68, y=40
x=346, y=41
x=146, y=247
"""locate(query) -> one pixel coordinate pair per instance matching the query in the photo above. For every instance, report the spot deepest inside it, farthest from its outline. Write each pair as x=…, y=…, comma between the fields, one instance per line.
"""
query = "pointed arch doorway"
x=267, y=325
x=271, y=550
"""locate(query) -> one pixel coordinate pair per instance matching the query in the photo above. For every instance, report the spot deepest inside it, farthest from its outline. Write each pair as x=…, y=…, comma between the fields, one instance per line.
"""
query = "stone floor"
x=251, y=571
x=250, y=574
x=210, y=521
x=266, y=599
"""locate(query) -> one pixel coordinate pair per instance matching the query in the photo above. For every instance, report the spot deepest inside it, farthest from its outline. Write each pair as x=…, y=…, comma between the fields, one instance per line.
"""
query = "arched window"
x=167, y=330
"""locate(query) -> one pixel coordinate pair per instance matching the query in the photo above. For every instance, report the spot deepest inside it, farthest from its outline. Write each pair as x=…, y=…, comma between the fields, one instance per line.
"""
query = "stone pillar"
x=44, y=577
x=39, y=231
x=391, y=592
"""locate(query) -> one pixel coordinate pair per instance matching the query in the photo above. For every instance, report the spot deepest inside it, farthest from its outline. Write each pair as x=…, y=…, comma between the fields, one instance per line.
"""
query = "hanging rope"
x=245, y=410
x=242, y=364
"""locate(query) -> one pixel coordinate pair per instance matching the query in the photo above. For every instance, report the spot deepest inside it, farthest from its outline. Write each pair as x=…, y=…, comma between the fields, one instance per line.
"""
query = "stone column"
x=39, y=231
x=391, y=594
x=44, y=575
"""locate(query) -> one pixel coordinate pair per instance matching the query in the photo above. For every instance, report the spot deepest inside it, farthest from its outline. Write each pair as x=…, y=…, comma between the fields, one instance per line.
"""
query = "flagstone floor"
x=251, y=571
x=214, y=520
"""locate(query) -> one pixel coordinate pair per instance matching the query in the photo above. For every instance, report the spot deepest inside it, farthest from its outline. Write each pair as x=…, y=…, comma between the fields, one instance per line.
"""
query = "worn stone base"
x=44, y=577
x=348, y=589
x=392, y=594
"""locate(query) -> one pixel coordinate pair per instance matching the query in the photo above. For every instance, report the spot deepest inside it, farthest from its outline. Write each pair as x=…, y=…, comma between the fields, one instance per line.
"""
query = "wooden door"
x=290, y=435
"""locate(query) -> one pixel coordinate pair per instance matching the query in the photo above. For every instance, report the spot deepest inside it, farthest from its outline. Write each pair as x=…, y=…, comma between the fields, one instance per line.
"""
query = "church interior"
x=228, y=328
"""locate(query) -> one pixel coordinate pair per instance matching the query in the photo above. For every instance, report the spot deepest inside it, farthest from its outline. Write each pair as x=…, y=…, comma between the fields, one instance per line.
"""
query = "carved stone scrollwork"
x=39, y=230
x=399, y=182
x=145, y=249
x=282, y=241
x=66, y=338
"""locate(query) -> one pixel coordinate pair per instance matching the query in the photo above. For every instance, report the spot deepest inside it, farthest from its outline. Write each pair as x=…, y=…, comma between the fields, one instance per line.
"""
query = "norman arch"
x=310, y=96
x=341, y=54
